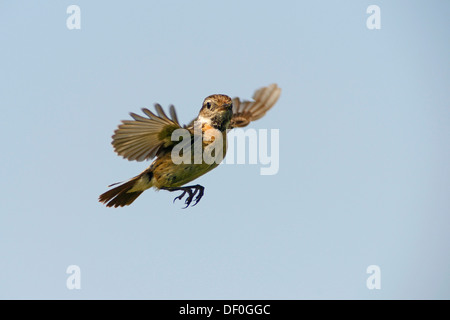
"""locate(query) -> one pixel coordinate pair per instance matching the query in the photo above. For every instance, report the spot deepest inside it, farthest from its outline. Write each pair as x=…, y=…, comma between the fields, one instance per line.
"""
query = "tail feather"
x=119, y=196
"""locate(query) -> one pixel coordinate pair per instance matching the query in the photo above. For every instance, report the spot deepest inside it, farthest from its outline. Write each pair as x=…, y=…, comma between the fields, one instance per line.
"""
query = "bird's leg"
x=192, y=191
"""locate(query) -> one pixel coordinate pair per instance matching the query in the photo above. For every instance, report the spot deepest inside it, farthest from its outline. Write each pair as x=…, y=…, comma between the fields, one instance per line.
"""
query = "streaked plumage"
x=145, y=138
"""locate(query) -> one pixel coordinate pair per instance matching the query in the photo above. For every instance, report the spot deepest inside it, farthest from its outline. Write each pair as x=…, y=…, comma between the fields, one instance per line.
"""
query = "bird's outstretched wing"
x=142, y=138
x=246, y=111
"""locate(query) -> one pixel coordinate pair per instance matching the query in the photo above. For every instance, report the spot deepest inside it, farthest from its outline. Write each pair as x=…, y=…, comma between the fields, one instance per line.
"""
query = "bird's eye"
x=208, y=105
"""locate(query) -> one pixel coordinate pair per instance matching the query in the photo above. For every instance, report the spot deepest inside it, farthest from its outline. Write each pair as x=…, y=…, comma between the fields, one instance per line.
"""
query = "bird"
x=146, y=138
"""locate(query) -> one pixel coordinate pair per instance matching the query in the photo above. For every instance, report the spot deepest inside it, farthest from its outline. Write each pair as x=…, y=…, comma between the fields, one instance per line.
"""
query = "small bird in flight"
x=146, y=138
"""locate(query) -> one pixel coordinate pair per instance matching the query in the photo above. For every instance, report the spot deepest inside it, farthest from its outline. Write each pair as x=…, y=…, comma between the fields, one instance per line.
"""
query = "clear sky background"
x=364, y=174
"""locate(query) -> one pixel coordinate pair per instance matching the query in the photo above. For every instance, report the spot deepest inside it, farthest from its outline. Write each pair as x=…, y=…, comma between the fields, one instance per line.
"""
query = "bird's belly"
x=167, y=174
x=178, y=175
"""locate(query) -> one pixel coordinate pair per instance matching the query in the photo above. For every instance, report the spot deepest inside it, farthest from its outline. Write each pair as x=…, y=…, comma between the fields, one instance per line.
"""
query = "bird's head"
x=216, y=111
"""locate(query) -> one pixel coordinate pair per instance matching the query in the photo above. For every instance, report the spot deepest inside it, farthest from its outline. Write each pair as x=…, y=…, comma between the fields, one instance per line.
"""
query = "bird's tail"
x=127, y=192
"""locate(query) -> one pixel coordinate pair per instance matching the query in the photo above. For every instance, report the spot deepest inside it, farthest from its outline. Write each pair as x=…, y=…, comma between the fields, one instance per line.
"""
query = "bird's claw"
x=180, y=196
x=201, y=191
x=191, y=191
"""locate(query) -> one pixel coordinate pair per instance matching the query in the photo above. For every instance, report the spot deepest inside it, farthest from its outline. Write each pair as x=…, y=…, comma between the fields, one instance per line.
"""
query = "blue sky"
x=364, y=134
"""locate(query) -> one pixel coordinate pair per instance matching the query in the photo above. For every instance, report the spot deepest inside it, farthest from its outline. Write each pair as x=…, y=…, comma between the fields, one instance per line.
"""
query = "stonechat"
x=145, y=138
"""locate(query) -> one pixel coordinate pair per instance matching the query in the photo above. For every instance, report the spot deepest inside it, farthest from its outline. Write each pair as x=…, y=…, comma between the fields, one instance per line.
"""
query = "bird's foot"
x=191, y=191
